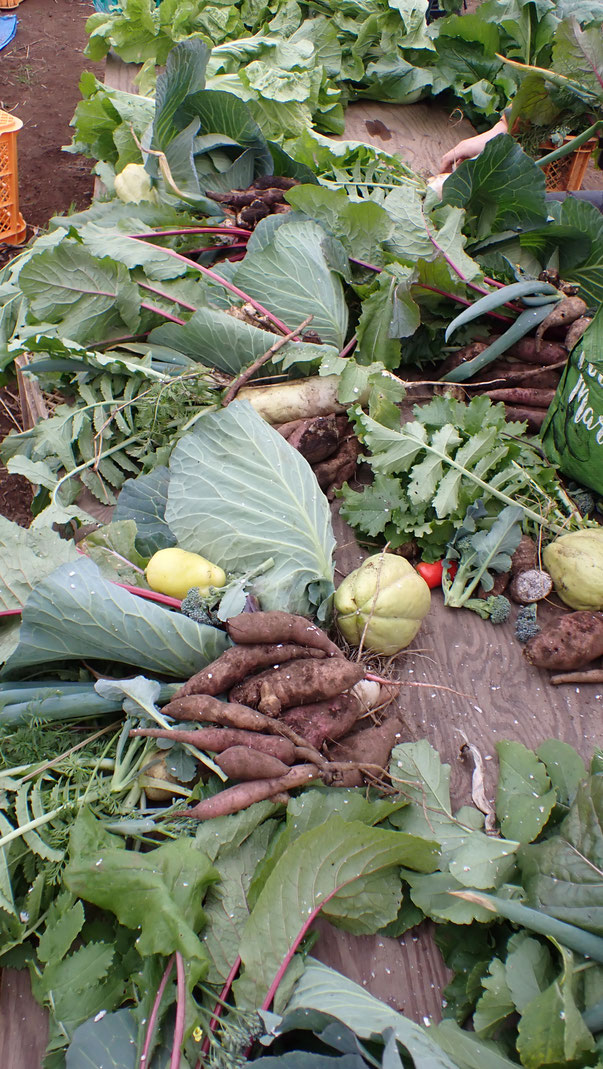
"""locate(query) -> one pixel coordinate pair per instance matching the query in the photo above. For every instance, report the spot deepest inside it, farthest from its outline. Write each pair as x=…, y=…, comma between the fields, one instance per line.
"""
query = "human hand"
x=470, y=147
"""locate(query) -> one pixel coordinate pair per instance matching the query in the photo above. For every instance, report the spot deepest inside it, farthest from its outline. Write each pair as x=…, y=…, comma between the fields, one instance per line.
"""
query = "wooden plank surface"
x=490, y=692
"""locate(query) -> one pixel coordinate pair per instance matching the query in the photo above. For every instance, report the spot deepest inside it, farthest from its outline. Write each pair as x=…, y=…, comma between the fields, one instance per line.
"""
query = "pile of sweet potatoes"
x=329, y=445
x=291, y=695
x=526, y=377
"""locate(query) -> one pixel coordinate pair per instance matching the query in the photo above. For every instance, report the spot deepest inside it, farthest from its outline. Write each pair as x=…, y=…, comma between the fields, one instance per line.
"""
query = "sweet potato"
x=233, y=799
x=324, y=721
x=562, y=314
x=592, y=675
x=299, y=683
x=550, y=352
x=371, y=746
x=522, y=395
x=534, y=417
x=216, y=740
x=332, y=473
x=238, y=662
x=203, y=708
x=258, y=627
x=576, y=330
x=571, y=642
x=243, y=763
x=316, y=439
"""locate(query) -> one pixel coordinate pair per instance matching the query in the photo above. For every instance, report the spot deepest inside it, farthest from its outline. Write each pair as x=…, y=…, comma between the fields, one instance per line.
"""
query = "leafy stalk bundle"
x=429, y=471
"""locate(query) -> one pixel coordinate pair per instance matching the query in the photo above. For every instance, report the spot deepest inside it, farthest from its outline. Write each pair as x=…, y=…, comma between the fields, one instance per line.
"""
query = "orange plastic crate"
x=12, y=224
x=5, y=4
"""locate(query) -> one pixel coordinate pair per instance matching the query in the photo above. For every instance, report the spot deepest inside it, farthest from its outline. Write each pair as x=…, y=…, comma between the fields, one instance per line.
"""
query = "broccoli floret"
x=525, y=624
x=199, y=606
x=583, y=500
x=496, y=608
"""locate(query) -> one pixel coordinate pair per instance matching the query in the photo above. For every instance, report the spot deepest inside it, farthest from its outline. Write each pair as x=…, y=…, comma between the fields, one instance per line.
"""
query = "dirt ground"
x=39, y=75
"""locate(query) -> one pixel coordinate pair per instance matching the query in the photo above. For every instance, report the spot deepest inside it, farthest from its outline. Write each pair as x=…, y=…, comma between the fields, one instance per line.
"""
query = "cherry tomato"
x=432, y=571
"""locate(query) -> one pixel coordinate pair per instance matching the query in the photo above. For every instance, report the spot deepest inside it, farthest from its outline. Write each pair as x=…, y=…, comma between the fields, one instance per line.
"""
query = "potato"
x=571, y=642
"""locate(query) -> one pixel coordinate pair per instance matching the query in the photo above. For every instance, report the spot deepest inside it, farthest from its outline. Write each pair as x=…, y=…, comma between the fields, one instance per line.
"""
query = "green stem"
x=576, y=142
x=91, y=463
x=583, y=942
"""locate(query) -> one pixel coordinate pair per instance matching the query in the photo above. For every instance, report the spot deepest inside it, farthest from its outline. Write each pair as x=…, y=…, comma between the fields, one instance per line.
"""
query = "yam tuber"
x=570, y=643
x=300, y=682
x=238, y=662
x=371, y=746
x=325, y=721
x=562, y=315
x=550, y=352
x=233, y=799
x=316, y=439
x=216, y=740
x=203, y=708
x=276, y=627
x=534, y=417
x=522, y=395
x=243, y=763
x=575, y=332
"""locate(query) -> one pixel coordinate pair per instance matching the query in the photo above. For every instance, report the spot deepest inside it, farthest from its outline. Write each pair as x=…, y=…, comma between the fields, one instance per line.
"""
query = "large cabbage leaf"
x=75, y=613
x=240, y=495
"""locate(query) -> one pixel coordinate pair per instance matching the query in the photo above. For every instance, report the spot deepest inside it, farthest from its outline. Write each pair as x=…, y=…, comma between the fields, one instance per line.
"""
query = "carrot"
x=299, y=683
x=275, y=626
x=326, y=720
x=243, y=763
x=216, y=740
x=522, y=396
x=563, y=314
x=550, y=352
x=233, y=799
x=238, y=662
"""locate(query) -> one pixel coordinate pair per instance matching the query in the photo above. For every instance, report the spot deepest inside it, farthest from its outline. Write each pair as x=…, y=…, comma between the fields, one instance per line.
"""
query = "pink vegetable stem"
x=151, y=595
x=227, y=285
x=167, y=296
x=154, y=1014
x=176, y=1057
x=160, y=312
x=349, y=348
x=230, y=979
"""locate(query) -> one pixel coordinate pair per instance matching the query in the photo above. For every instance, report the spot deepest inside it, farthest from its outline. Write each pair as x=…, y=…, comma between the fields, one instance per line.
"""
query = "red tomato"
x=432, y=572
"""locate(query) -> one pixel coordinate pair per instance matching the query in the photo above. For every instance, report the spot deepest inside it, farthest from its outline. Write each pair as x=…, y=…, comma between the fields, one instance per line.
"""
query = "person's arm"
x=471, y=146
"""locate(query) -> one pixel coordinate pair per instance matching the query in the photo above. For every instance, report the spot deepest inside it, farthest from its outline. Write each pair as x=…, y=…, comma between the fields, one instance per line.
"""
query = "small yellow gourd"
x=175, y=571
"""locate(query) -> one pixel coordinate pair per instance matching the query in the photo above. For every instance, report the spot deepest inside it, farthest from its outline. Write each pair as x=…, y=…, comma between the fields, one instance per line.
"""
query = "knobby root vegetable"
x=571, y=642
x=521, y=395
x=332, y=473
x=525, y=556
x=592, y=675
x=563, y=313
x=575, y=332
x=316, y=439
x=238, y=662
x=513, y=373
x=216, y=740
x=203, y=708
x=299, y=399
x=233, y=799
x=533, y=585
x=371, y=746
x=550, y=352
x=243, y=763
x=261, y=627
x=300, y=682
x=325, y=721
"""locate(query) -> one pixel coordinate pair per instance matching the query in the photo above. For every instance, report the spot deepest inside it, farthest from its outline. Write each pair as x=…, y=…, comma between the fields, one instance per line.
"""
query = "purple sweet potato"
x=233, y=799
x=298, y=683
x=243, y=763
x=571, y=642
x=324, y=721
x=216, y=740
x=262, y=627
x=238, y=662
x=368, y=746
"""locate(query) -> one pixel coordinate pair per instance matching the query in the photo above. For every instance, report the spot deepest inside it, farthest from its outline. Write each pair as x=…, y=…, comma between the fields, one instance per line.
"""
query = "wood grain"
x=23, y=1024
x=419, y=133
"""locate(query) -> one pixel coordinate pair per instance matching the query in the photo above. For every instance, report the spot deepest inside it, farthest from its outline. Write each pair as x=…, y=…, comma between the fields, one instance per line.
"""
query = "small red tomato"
x=433, y=571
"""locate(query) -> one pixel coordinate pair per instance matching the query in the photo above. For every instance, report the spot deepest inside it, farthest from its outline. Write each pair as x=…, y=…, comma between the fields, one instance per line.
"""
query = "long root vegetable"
x=592, y=675
x=238, y=662
x=571, y=642
x=233, y=799
x=279, y=627
x=203, y=708
x=298, y=399
x=325, y=721
x=299, y=683
x=576, y=331
x=243, y=763
x=216, y=740
x=522, y=395
x=550, y=352
x=534, y=417
x=562, y=314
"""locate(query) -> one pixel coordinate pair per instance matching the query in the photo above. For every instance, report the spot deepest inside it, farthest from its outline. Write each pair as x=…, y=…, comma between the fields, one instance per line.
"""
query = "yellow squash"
x=175, y=571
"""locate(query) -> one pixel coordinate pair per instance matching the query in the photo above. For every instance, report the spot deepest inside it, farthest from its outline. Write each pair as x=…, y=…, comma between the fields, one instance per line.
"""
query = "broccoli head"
x=199, y=606
x=496, y=608
x=525, y=625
